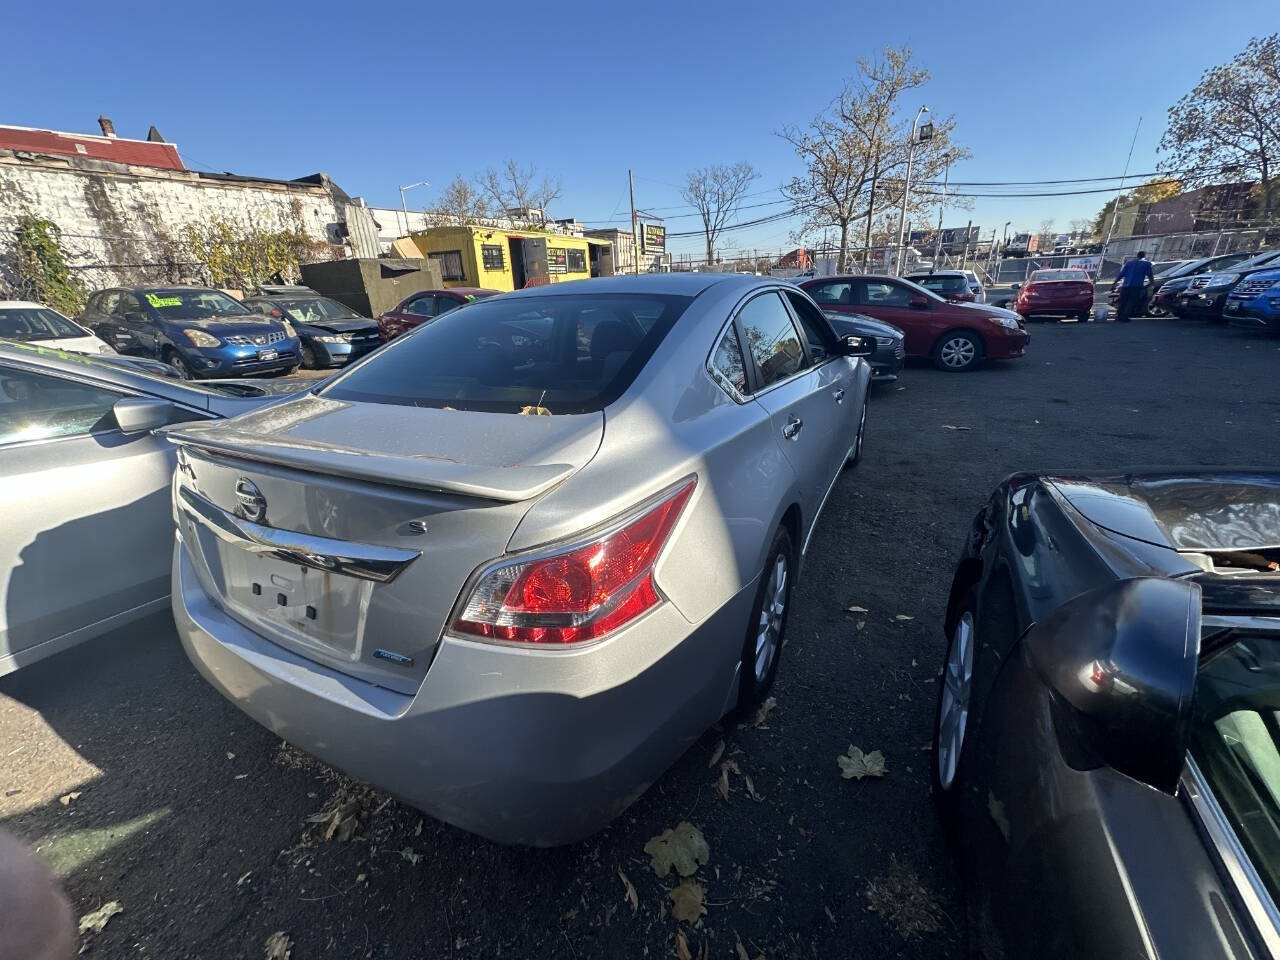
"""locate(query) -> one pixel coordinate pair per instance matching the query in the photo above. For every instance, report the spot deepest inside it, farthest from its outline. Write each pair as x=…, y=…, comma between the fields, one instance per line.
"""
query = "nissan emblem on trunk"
x=253, y=505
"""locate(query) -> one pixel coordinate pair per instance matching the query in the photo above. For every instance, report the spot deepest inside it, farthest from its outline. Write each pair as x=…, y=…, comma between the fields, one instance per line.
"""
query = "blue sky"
x=383, y=94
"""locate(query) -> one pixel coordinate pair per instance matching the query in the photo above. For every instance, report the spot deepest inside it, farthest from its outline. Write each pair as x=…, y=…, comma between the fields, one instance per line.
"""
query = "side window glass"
x=772, y=338
x=879, y=294
x=445, y=304
x=816, y=329
x=107, y=302
x=727, y=363
x=131, y=310
x=835, y=292
x=422, y=306
x=37, y=407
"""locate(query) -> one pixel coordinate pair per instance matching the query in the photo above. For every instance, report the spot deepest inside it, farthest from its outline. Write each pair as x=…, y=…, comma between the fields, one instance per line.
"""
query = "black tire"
x=947, y=789
x=308, y=357
x=179, y=363
x=1083, y=316
x=856, y=457
x=754, y=684
x=958, y=351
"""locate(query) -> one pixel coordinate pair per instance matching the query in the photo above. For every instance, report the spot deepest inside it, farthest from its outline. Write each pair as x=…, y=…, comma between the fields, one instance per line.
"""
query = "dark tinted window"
x=576, y=261
x=830, y=292
x=727, y=362
x=567, y=353
x=817, y=330
x=423, y=306
x=772, y=338
x=879, y=293
x=36, y=323
x=37, y=407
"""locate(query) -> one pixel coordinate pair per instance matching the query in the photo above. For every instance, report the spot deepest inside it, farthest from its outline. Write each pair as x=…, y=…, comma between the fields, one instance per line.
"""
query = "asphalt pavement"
x=143, y=787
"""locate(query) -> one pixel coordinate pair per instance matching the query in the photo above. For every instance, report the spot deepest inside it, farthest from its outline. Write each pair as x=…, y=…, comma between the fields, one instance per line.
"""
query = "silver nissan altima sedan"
x=511, y=566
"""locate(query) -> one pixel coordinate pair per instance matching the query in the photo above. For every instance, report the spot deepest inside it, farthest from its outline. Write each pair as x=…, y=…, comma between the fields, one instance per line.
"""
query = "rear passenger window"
x=727, y=363
x=772, y=338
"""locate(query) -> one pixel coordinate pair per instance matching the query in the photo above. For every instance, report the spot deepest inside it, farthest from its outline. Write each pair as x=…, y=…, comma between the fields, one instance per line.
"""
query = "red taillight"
x=579, y=593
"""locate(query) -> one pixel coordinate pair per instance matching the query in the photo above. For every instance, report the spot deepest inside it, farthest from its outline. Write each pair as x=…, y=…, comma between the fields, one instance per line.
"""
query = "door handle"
x=792, y=429
x=838, y=393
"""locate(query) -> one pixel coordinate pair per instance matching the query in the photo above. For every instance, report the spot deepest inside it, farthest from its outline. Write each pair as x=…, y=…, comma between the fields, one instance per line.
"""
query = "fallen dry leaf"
x=682, y=947
x=762, y=714
x=244, y=877
x=751, y=789
x=97, y=920
x=629, y=892
x=230, y=755
x=716, y=754
x=902, y=616
x=535, y=411
x=66, y=798
x=856, y=764
x=948, y=426
x=722, y=785
x=903, y=900
x=681, y=849
x=857, y=610
x=278, y=946
x=830, y=916
x=688, y=902
x=408, y=854
x=738, y=948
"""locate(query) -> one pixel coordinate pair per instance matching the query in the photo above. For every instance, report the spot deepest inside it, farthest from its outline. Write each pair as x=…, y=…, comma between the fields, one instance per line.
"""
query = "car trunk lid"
x=353, y=552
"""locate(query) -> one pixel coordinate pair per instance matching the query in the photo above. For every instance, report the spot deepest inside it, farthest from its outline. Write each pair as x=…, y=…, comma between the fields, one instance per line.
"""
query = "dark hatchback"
x=331, y=333
x=200, y=332
x=1107, y=751
x=886, y=361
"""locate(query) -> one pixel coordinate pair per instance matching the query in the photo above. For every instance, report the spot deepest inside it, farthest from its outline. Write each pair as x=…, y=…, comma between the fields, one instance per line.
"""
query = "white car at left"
x=28, y=322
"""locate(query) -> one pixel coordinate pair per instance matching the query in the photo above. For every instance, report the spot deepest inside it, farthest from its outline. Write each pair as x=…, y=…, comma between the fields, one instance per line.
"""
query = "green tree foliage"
x=42, y=272
x=238, y=256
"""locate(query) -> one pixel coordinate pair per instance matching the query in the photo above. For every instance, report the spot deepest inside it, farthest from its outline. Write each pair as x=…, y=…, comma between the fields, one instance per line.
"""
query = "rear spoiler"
x=505, y=483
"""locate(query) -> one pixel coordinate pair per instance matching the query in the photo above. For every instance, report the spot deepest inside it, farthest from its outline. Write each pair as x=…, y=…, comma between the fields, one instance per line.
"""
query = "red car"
x=1056, y=292
x=955, y=336
x=426, y=305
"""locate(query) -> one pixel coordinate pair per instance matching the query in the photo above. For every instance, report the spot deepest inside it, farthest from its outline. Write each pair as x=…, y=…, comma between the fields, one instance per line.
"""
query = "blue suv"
x=1255, y=301
x=198, y=331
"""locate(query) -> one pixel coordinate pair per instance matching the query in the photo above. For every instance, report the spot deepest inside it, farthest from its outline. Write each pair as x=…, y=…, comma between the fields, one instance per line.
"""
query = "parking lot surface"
x=140, y=785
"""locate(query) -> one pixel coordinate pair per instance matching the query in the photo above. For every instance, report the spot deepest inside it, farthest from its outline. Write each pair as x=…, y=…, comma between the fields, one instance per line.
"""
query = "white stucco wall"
x=115, y=220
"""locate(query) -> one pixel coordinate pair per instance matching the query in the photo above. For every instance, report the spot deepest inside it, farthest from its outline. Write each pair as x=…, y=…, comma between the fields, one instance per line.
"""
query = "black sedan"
x=1106, y=746
x=886, y=362
x=331, y=333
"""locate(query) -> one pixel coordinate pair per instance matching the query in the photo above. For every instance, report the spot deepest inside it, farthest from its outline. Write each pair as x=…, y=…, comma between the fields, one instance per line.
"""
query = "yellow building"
x=499, y=259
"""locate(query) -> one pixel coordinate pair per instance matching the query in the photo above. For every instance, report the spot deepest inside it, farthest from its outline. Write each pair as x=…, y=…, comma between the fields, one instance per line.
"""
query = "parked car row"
x=1238, y=288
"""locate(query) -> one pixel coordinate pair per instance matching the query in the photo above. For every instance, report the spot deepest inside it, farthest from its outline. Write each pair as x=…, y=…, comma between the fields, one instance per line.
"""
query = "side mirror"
x=1122, y=660
x=918, y=302
x=138, y=414
x=1017, y=287
x=854, y=346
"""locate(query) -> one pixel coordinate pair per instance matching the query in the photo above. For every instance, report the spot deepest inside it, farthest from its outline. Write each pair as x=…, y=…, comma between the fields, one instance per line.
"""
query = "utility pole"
x=403, y=208
x=906, y=189
x=635, y=236
x=946, y=179
x=968, y=231
x=1115, y=209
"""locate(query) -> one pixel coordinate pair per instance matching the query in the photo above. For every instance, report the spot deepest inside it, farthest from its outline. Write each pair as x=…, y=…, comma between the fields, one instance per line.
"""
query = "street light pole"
x=906, y=189
x=403, y=208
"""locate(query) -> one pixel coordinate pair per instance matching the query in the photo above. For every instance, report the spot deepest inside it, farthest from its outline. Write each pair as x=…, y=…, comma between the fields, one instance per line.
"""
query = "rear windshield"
x=1044, y=275
x=185, y=304
x=542, y=354
x=942, y=284
x=36, y=323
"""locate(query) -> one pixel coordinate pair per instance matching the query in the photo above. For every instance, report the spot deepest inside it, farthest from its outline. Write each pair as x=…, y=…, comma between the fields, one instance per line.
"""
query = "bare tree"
x=716, y=192
x=1081, y=226
x=461, y=202
x=512, y=192
x=855, y=153
x=1229, y=124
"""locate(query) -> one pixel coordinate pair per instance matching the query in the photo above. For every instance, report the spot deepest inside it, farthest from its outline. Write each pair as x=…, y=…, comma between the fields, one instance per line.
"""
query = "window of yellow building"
x=451, y=266
x=492, y=256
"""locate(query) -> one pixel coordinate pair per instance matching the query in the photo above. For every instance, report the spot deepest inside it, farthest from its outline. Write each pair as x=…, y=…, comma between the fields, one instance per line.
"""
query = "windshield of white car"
x=570, y=353
x=187, y=304
x=32, y=324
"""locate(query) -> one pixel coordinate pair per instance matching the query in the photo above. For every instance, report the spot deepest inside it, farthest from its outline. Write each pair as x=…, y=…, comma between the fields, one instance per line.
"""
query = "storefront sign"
x=557, y=260
x=653, y=239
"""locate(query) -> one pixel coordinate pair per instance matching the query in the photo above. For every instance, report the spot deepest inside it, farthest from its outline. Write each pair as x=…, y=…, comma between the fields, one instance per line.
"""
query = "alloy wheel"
x=179, y=363
x=957, y=353
x=772, y=614
x=953, y=717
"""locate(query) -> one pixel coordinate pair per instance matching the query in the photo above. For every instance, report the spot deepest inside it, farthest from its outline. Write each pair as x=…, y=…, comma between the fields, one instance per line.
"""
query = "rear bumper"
x=530, y=747
x=1028, y=307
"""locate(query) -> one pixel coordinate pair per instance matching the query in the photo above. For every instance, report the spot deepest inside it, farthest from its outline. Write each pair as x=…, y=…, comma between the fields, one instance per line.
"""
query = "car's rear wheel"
x=951, y=721
x=762, y=647
x=1155, y=310
x=957, y=351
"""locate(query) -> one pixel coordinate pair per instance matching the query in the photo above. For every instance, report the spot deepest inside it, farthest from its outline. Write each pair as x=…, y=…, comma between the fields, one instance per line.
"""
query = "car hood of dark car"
x=354, y=325
x=1177, y=283
x=1226, y=510
x=862, y=326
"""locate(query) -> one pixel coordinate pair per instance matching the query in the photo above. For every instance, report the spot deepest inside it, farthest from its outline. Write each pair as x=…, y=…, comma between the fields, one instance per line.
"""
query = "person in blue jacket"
x=1133, y=278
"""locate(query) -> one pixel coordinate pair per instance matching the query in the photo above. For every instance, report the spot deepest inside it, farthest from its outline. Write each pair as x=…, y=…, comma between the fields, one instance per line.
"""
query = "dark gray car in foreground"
x=1106, y=745
x=886, y=361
